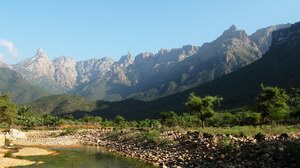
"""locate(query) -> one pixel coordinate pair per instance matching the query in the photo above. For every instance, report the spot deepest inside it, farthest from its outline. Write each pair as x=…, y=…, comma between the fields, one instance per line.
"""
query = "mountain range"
x=146, y=76
x=279, y=66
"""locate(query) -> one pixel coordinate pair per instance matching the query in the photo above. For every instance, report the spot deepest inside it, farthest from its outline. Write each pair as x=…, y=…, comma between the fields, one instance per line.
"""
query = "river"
x=87, y=157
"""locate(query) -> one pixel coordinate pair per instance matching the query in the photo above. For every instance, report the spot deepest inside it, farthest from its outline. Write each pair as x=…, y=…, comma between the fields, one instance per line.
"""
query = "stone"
x=260, y=137
x=16, y=134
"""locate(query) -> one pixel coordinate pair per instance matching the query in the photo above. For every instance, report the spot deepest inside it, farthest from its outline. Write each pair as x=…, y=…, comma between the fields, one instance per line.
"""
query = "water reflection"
x=86, y=158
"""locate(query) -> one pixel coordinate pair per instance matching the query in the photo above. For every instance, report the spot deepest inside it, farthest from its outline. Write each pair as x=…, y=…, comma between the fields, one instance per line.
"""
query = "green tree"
x=119, y=119
x=203, y=107
x=272, y=104
x=49, y=120
x=169, y=118
x=8, y=110
x=294, y=102
x=92, y=119
x=24, y=115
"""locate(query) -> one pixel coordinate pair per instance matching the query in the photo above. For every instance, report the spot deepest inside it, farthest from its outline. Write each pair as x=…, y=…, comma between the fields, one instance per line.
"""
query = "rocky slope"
x=148, y=75
x=263, y=37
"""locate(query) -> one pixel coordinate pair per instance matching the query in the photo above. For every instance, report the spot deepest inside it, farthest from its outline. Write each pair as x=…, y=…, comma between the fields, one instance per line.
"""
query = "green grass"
x=251, y=130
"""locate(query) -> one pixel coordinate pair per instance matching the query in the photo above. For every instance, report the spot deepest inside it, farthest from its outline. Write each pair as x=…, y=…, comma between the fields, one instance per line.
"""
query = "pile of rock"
x=195, y=149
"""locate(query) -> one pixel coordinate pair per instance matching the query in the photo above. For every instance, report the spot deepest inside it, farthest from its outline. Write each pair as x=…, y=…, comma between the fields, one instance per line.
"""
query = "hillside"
x=62, y=104
x=18, y=88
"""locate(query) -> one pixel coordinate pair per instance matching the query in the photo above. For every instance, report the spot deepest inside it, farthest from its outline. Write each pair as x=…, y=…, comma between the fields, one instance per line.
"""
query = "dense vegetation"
x=273, y=106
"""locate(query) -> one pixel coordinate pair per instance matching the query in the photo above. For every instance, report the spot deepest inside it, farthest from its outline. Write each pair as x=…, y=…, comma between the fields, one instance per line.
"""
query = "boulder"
x=15, y=134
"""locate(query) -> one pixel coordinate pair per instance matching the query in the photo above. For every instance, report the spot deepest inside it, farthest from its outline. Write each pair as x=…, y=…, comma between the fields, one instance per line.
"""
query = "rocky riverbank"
x=48, y=138
x=195, y=149
x=177, y=149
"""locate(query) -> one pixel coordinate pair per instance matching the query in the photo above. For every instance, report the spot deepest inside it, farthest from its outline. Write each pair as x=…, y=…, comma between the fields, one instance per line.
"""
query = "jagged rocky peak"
x=143, y=57
x=190, y=48
x=40, y=65
x=126, y=60
x=91, y=69
x=233, y=32
x=232, y=28
x=41, y=53
x=163, y=51
x=65, y=71
x=263, y=37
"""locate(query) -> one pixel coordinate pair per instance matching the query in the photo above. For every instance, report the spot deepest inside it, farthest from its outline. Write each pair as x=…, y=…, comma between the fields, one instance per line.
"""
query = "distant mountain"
x=153, y=75
x=147, y=76
x=39, y=71
x=278, y=67
x=263, y=37
x=18, y=88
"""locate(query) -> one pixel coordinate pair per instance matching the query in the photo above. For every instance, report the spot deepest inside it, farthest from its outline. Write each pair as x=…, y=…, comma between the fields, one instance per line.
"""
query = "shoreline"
x=190, y=149
x=13, y=156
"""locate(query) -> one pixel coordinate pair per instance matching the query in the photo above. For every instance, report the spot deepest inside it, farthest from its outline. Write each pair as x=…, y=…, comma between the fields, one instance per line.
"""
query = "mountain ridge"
x=147, y=76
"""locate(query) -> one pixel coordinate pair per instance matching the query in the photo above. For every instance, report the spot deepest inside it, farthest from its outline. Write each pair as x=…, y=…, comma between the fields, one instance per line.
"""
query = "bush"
x=149, y=124
x=150, y=136
x=91, y=119
x=169, y=118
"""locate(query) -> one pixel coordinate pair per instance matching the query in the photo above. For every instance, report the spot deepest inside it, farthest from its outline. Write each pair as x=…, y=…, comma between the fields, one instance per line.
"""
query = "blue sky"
x=86, y=29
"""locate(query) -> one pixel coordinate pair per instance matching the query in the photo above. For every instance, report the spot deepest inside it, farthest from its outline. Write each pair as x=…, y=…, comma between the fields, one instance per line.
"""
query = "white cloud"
x=10, y=47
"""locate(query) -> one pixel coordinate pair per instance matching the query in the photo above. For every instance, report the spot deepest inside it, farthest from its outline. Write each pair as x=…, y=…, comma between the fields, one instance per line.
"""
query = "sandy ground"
x=29, y=151
x=37, y=139
x=26, y=151
x=12, y=162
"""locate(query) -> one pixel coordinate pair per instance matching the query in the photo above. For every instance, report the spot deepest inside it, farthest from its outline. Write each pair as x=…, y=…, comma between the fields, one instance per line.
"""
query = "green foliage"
x=187, y=120
x=91, y=119
x=120, y=121
x=169, y=118
x=49, y=120
x=294, y=102
x=150, y=136
x=8, y=110
x=147, y=123
x=272, y=104
x=203, y=107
